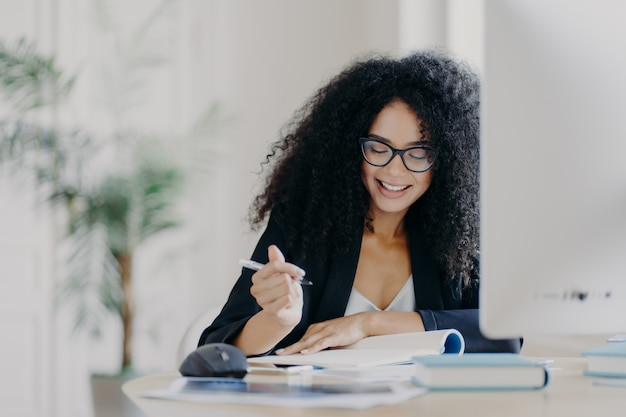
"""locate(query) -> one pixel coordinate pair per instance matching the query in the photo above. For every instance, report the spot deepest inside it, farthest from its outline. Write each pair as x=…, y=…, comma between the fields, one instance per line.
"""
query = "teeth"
x=394, y=187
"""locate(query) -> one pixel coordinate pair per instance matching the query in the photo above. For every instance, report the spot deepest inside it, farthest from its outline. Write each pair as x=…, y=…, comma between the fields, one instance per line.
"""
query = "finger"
x=283, y=306
x=277, y=263
x=265, y=293
x=276, y=260
x=294, y=348
x=309, y=343
x=276, y=275
x=291, y=349
x=306, y=347
x=274, y=254
x=321, y=344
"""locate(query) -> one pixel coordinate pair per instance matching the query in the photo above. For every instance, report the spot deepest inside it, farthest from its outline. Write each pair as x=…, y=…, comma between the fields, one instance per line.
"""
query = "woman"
x=374, y=192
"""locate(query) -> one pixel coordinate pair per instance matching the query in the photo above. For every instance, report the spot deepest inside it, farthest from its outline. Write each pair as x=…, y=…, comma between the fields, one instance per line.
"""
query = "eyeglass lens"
x=418, y=159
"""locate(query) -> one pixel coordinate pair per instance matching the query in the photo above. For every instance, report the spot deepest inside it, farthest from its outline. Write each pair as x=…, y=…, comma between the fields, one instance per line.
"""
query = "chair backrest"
x=189, y=341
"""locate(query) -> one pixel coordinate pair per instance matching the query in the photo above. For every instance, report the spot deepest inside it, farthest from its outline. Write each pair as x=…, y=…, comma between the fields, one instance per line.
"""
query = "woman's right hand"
x=277, y=290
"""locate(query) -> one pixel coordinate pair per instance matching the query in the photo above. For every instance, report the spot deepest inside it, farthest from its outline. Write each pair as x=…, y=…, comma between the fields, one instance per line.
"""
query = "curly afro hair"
x=314, y=185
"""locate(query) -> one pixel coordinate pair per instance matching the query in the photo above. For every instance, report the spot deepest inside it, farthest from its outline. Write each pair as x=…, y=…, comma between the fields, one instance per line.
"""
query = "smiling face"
x=393, y=188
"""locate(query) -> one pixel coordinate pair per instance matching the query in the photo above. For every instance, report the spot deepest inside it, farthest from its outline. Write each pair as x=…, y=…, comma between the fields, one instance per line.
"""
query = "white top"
x=403, y=301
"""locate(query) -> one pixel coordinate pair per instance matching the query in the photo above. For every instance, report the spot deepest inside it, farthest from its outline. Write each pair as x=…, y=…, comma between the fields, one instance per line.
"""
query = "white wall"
x=27, y=347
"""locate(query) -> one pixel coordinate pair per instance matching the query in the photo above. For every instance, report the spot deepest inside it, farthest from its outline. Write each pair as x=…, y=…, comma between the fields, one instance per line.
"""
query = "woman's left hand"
x=341, y=331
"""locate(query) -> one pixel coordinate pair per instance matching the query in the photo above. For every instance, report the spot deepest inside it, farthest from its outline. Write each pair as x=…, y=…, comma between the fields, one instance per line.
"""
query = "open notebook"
x=376, y=350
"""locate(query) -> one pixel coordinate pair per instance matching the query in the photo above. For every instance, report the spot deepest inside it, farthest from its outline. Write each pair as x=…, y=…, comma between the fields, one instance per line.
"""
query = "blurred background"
x=132, y=136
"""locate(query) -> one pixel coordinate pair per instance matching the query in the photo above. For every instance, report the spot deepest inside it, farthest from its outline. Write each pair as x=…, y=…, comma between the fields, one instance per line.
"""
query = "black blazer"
x=441, y=304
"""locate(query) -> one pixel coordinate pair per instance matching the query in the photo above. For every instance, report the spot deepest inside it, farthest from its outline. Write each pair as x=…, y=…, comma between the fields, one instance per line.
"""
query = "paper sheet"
x=236, y=391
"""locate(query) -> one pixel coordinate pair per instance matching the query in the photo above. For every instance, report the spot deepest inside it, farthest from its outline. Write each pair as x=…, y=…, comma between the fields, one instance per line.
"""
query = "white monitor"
x=553, y=168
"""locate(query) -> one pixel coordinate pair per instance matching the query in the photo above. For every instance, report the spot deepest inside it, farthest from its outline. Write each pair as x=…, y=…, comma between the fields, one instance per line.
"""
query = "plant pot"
x=108, y=398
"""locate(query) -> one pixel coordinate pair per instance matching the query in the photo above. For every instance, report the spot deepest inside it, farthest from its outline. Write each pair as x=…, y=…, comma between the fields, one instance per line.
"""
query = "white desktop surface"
x=568, y=393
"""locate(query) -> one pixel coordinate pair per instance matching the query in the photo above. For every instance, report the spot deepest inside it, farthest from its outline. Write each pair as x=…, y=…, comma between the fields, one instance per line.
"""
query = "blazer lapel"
x=426, y=279
x=339, y=284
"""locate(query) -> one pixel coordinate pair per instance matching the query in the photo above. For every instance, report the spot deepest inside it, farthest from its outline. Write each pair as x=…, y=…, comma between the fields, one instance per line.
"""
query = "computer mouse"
x=217, y=360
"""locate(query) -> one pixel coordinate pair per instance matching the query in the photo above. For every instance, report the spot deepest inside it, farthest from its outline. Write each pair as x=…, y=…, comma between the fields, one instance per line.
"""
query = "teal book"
x=479, y=371
x=607, y=360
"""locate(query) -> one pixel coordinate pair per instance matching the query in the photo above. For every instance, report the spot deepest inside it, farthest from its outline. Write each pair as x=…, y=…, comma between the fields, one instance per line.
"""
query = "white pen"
x=255, y=266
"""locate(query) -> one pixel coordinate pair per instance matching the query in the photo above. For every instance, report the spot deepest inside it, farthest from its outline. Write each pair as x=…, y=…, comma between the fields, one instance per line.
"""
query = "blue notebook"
x=479, y=371
x=607, y=360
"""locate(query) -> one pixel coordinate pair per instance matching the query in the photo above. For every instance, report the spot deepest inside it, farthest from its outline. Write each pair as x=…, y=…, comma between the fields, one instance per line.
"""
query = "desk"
x=569, y=393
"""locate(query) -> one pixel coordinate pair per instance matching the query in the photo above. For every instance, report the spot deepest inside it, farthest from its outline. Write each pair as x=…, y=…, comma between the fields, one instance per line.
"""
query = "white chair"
x=189, y=341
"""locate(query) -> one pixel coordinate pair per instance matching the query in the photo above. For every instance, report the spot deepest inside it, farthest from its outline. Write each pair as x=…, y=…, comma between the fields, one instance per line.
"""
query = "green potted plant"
x=112, y=193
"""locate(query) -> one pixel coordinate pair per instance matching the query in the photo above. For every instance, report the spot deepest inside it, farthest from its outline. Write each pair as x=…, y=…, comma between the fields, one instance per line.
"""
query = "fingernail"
x=304, y=351
x=279, y=351
x=301, y=272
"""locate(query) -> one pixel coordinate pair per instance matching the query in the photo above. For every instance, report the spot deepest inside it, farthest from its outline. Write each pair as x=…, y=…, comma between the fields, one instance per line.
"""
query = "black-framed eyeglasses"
x=379, y=154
